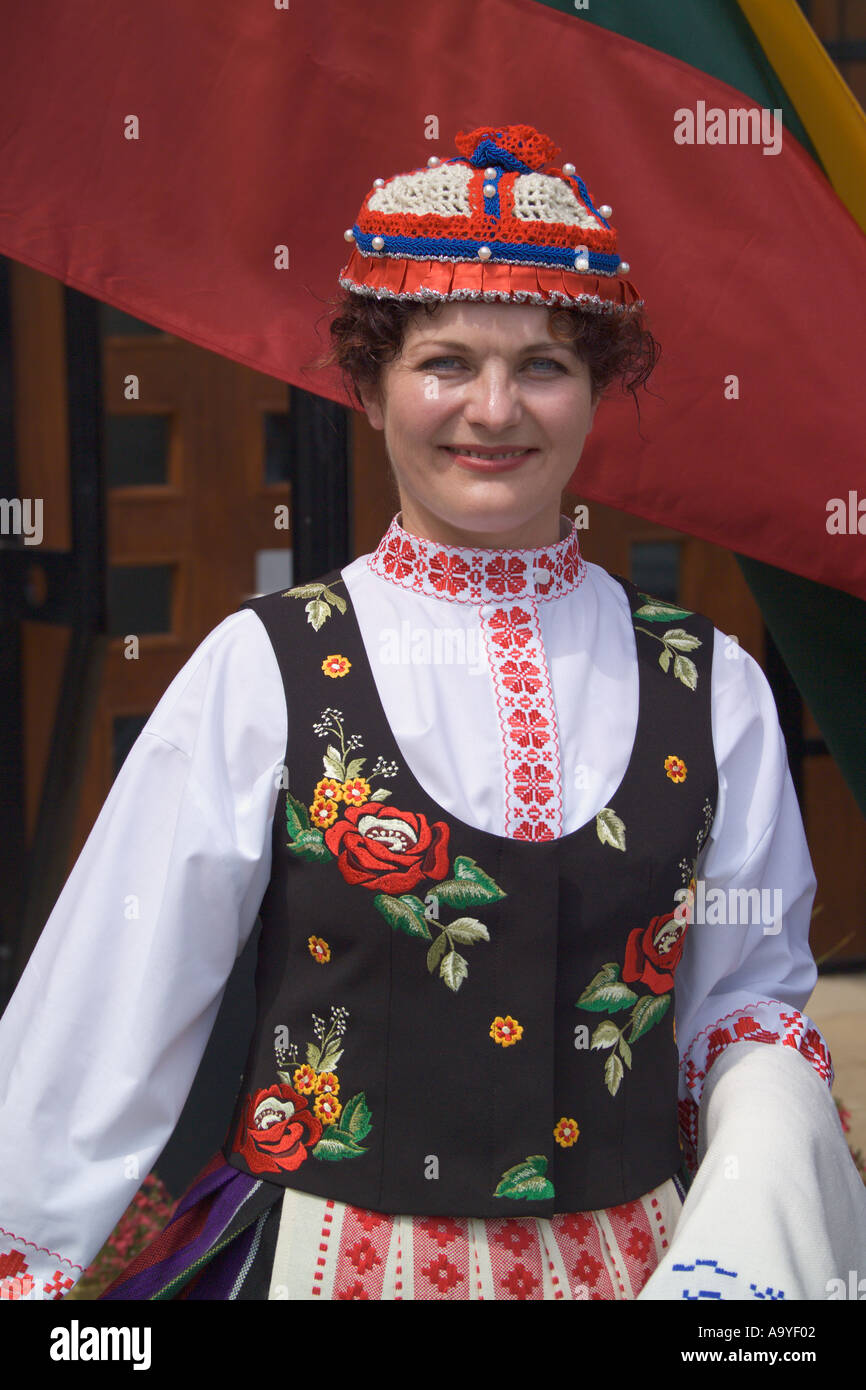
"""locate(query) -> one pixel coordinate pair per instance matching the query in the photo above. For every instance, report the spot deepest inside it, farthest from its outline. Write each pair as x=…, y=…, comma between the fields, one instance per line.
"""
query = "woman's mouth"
x=488, y=460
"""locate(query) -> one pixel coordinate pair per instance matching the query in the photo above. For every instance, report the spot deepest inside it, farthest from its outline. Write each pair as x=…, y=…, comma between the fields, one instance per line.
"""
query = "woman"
x=475, y=787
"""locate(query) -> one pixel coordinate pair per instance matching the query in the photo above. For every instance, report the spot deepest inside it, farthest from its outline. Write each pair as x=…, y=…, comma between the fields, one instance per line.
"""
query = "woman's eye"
x=438, y=362
x=547, y=362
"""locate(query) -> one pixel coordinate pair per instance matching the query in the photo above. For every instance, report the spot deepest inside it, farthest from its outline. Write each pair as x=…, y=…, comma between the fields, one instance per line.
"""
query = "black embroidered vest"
x=452, y=1022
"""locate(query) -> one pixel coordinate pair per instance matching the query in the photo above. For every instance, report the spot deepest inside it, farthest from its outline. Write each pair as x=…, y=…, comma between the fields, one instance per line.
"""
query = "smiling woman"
x=492, y=1045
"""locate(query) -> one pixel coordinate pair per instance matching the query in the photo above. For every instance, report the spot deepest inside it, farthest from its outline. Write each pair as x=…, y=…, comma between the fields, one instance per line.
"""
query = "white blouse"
x=101, y=1041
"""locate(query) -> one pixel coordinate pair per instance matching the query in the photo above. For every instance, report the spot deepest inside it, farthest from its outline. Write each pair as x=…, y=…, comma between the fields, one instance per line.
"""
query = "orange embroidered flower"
x=566, y=1132
x=675, y=769
x=327, y=1084
x=356, y=792
x=336, y=665
x=304, y=1080
x=319, y=950
x=323, y=813
x=327, y=1108
x=328, y=789
x=506, y=1031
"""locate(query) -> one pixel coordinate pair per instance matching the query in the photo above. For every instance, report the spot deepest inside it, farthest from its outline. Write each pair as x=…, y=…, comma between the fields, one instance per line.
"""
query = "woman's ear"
x=373, y=407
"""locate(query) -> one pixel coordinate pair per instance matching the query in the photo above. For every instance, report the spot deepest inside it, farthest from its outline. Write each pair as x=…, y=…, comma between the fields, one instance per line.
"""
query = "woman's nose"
x=493, y=399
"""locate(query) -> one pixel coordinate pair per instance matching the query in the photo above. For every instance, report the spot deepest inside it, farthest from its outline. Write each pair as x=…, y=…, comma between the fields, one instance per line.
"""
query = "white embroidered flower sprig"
x=336, y=760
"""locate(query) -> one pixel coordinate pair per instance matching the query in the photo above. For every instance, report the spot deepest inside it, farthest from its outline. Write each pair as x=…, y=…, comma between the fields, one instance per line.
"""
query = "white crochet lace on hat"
x=541, y=198
x=443, y=190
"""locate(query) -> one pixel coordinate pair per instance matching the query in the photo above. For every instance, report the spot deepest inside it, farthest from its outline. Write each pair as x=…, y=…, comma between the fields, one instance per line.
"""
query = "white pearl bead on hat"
x=349, y=234
x=433, y=161
x=489, y=190
x=605, y=209
x=484, y=253
x=378, y=243
x=491, y=172
x=624, y=267
x=378, y=183
x=569, y=169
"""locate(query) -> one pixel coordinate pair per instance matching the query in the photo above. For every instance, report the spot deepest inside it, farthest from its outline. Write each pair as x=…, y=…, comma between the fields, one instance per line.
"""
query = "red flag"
x=196, y=166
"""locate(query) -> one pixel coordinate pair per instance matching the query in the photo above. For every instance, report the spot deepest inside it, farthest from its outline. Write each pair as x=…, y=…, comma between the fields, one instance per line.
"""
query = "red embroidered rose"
x=653, y=953
x=275, y=1130
x=386, y=849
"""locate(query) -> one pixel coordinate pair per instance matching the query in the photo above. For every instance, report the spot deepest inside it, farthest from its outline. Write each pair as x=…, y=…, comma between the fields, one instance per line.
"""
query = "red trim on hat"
x=388, y=277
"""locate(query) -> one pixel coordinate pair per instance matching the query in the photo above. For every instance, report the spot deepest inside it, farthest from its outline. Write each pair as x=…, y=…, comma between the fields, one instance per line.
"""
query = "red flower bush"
x=653, y=953
x=275, y=1130
x=386, y=849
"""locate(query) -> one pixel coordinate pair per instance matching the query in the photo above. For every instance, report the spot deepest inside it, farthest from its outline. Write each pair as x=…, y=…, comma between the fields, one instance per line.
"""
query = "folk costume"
x=535, y=897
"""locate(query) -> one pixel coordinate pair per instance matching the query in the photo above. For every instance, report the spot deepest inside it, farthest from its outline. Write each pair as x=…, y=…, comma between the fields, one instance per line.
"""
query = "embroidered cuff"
x=31, y=1272
x=767, y=1021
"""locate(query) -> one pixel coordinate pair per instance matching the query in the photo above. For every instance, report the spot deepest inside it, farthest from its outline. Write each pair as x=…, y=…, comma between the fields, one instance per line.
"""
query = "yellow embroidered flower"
x=566, y=1132
x=323, y=813
x=328, y=789
x=319, y=950
x=506, y=1031
x=675, y=769
x=356, y=792
x=336, y=665
x=327, y=1108
x=327, y=1084
x=304, y=1080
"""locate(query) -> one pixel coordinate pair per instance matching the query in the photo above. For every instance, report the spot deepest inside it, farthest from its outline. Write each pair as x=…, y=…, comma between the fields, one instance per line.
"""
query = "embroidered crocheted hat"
x=491, y=223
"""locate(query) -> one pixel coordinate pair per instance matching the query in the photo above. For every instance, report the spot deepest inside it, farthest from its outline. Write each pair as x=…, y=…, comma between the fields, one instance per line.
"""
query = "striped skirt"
x=233, y=1236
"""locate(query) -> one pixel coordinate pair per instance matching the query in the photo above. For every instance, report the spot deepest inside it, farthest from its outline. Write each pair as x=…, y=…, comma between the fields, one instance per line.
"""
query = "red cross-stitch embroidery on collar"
x=477, y=576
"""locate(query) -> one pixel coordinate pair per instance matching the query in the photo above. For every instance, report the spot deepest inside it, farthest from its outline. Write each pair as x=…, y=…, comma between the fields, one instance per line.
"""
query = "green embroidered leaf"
x=415, y=903
x=613, y=1073
x=437, y=951
x=354, y=768
x=686, y=671
x=310, y=844
x=610, y=829
x=331, y=1055
x=467, y=930
x=336, y=1144
x=313, y=1055
x=471, y=886
x=335, y=599
x=401, y=916
x=379, y=794
x=356, y=1120
x=453, y=970
x=625, y=1051
x=333, y=761
x=609, y=998
x=317, y=612
x=297, y=816
x=608, y=972
x=648, y=1011
x=657, y=612
x=664, y=659
x=286, y=1078
x=605, y=1035
x=526, y=1180
x=303, y=591
x=680, y=640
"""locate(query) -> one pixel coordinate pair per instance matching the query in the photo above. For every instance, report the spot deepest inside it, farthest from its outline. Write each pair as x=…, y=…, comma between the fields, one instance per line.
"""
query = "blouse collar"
x=465, y=575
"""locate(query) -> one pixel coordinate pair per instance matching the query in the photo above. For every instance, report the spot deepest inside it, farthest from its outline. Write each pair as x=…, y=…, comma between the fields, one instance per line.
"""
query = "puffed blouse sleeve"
x=776, y=1209
x=102, y=1038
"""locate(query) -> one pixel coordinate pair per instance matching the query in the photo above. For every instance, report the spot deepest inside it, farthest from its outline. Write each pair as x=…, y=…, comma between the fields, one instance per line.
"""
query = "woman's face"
x=483, y=379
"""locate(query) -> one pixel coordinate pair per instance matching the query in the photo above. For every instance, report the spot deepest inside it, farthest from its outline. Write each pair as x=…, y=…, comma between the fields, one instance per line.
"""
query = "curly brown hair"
x=367, y=333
